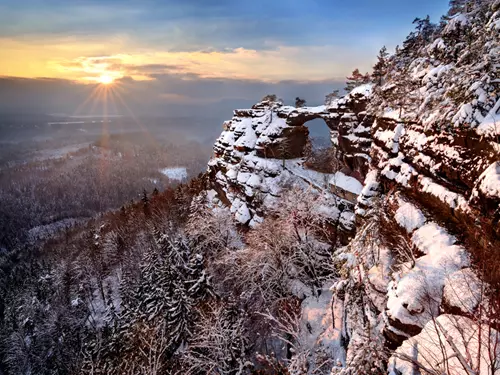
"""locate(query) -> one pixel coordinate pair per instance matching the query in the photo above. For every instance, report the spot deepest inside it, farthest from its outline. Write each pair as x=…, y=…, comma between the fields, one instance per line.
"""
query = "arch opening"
x=320, y=153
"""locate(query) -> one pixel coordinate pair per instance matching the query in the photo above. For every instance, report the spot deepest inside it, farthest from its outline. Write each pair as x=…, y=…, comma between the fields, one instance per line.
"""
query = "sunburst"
x=106, y=79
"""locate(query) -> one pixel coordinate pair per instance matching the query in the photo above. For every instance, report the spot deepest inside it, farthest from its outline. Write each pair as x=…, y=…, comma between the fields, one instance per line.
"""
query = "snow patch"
x=452, y=337
x=409, y=217
x=346, y=183
x=462, y=289
x=416, y=292
x=177, y=173
x=454, y=200
x=489, y=181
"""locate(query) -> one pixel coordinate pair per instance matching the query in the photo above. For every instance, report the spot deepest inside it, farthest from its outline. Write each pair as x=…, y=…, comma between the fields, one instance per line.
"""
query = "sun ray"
x=104, y=137
x=96, y=100
x=144, y=129
x=89, y=97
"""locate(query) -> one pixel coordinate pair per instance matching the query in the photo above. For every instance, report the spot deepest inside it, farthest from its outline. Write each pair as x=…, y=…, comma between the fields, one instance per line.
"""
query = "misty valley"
x=61, y=172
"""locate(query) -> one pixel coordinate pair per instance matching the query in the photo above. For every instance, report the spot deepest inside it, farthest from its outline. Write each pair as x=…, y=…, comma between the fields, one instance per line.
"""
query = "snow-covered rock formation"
x=261, y=151
x=425, y=142
x=429, y=212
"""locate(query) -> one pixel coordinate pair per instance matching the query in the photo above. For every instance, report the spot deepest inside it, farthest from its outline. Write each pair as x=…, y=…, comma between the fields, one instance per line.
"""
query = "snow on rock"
x=454, y=200
x=416, y=292
x=462, y=289
x=489, y=181
x=365, y=90
x=346, y=183
x=409, y=216
x=260, y=153
x=450, y=345
x=397, y=170
x=317, y=179
x=368, y=193
x=243, y=214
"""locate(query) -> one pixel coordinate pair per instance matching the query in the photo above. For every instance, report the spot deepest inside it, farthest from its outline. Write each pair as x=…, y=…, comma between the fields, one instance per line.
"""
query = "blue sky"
x=220, y=24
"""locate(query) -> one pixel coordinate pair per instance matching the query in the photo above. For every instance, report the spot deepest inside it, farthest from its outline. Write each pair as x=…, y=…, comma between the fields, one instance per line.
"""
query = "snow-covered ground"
x=449, y=344
x=324, y=180
x=42, y=232
x=320, y=330
x=59, y=153
x=177, y=173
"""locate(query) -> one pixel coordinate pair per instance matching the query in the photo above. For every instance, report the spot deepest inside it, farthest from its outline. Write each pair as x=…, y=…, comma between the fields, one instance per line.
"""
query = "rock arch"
x=349, y=132
x=244, y=165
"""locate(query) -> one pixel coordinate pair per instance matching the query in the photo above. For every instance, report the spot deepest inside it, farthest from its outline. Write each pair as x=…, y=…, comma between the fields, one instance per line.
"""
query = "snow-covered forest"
x=377, y=255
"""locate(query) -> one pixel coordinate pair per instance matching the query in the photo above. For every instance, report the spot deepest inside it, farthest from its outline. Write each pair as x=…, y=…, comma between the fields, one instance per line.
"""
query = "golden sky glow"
x=88, y=60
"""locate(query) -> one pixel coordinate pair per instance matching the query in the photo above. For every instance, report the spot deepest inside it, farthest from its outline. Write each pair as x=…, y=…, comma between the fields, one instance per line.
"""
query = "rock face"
x=425, y=143
x=260, y=150
x=452, y=177
x=433, y=185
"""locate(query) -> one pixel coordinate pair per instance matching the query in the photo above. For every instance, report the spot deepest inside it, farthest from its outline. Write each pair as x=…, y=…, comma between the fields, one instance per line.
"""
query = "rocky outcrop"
x=434, y=180
x=425, y=142
x=261, y=150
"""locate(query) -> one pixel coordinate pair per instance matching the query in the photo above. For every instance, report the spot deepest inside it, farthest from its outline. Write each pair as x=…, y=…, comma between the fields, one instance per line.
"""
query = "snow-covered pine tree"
x=111, y=314
x=178, y=316
x=220, y=345
x=456, y=6
x=380, y=68
x=197, y=281
x=368, y=355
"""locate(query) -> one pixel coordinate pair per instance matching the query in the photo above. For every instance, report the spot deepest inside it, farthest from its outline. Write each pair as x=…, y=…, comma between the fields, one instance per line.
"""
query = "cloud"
x=166, y=95
x=282, y=39
x=83, y=59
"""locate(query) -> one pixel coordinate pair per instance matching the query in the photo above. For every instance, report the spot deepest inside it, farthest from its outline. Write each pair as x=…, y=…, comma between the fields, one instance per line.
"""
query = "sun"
x=105, y=79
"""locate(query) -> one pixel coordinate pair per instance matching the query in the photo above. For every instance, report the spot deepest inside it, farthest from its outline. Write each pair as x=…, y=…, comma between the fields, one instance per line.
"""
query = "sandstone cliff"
x=416, y=191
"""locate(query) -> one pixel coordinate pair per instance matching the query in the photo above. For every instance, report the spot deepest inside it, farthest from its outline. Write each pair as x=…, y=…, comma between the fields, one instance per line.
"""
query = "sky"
x=172, y=53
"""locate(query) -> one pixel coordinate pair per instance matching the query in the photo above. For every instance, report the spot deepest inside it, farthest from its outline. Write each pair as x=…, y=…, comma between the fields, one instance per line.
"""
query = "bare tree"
x=212, y=230
x=219, y=347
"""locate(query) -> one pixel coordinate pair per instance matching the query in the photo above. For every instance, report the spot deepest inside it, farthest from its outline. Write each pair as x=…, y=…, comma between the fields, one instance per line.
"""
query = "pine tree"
x=424, y=32
x=456, y=6
x=178, y=316
x=367, y=355
x=110, y=315
x=380, y=68
x=356, y=79
x=197, y=281
x=145, y=203
x=145, y=199
x=299, y=102
x=270, y=98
